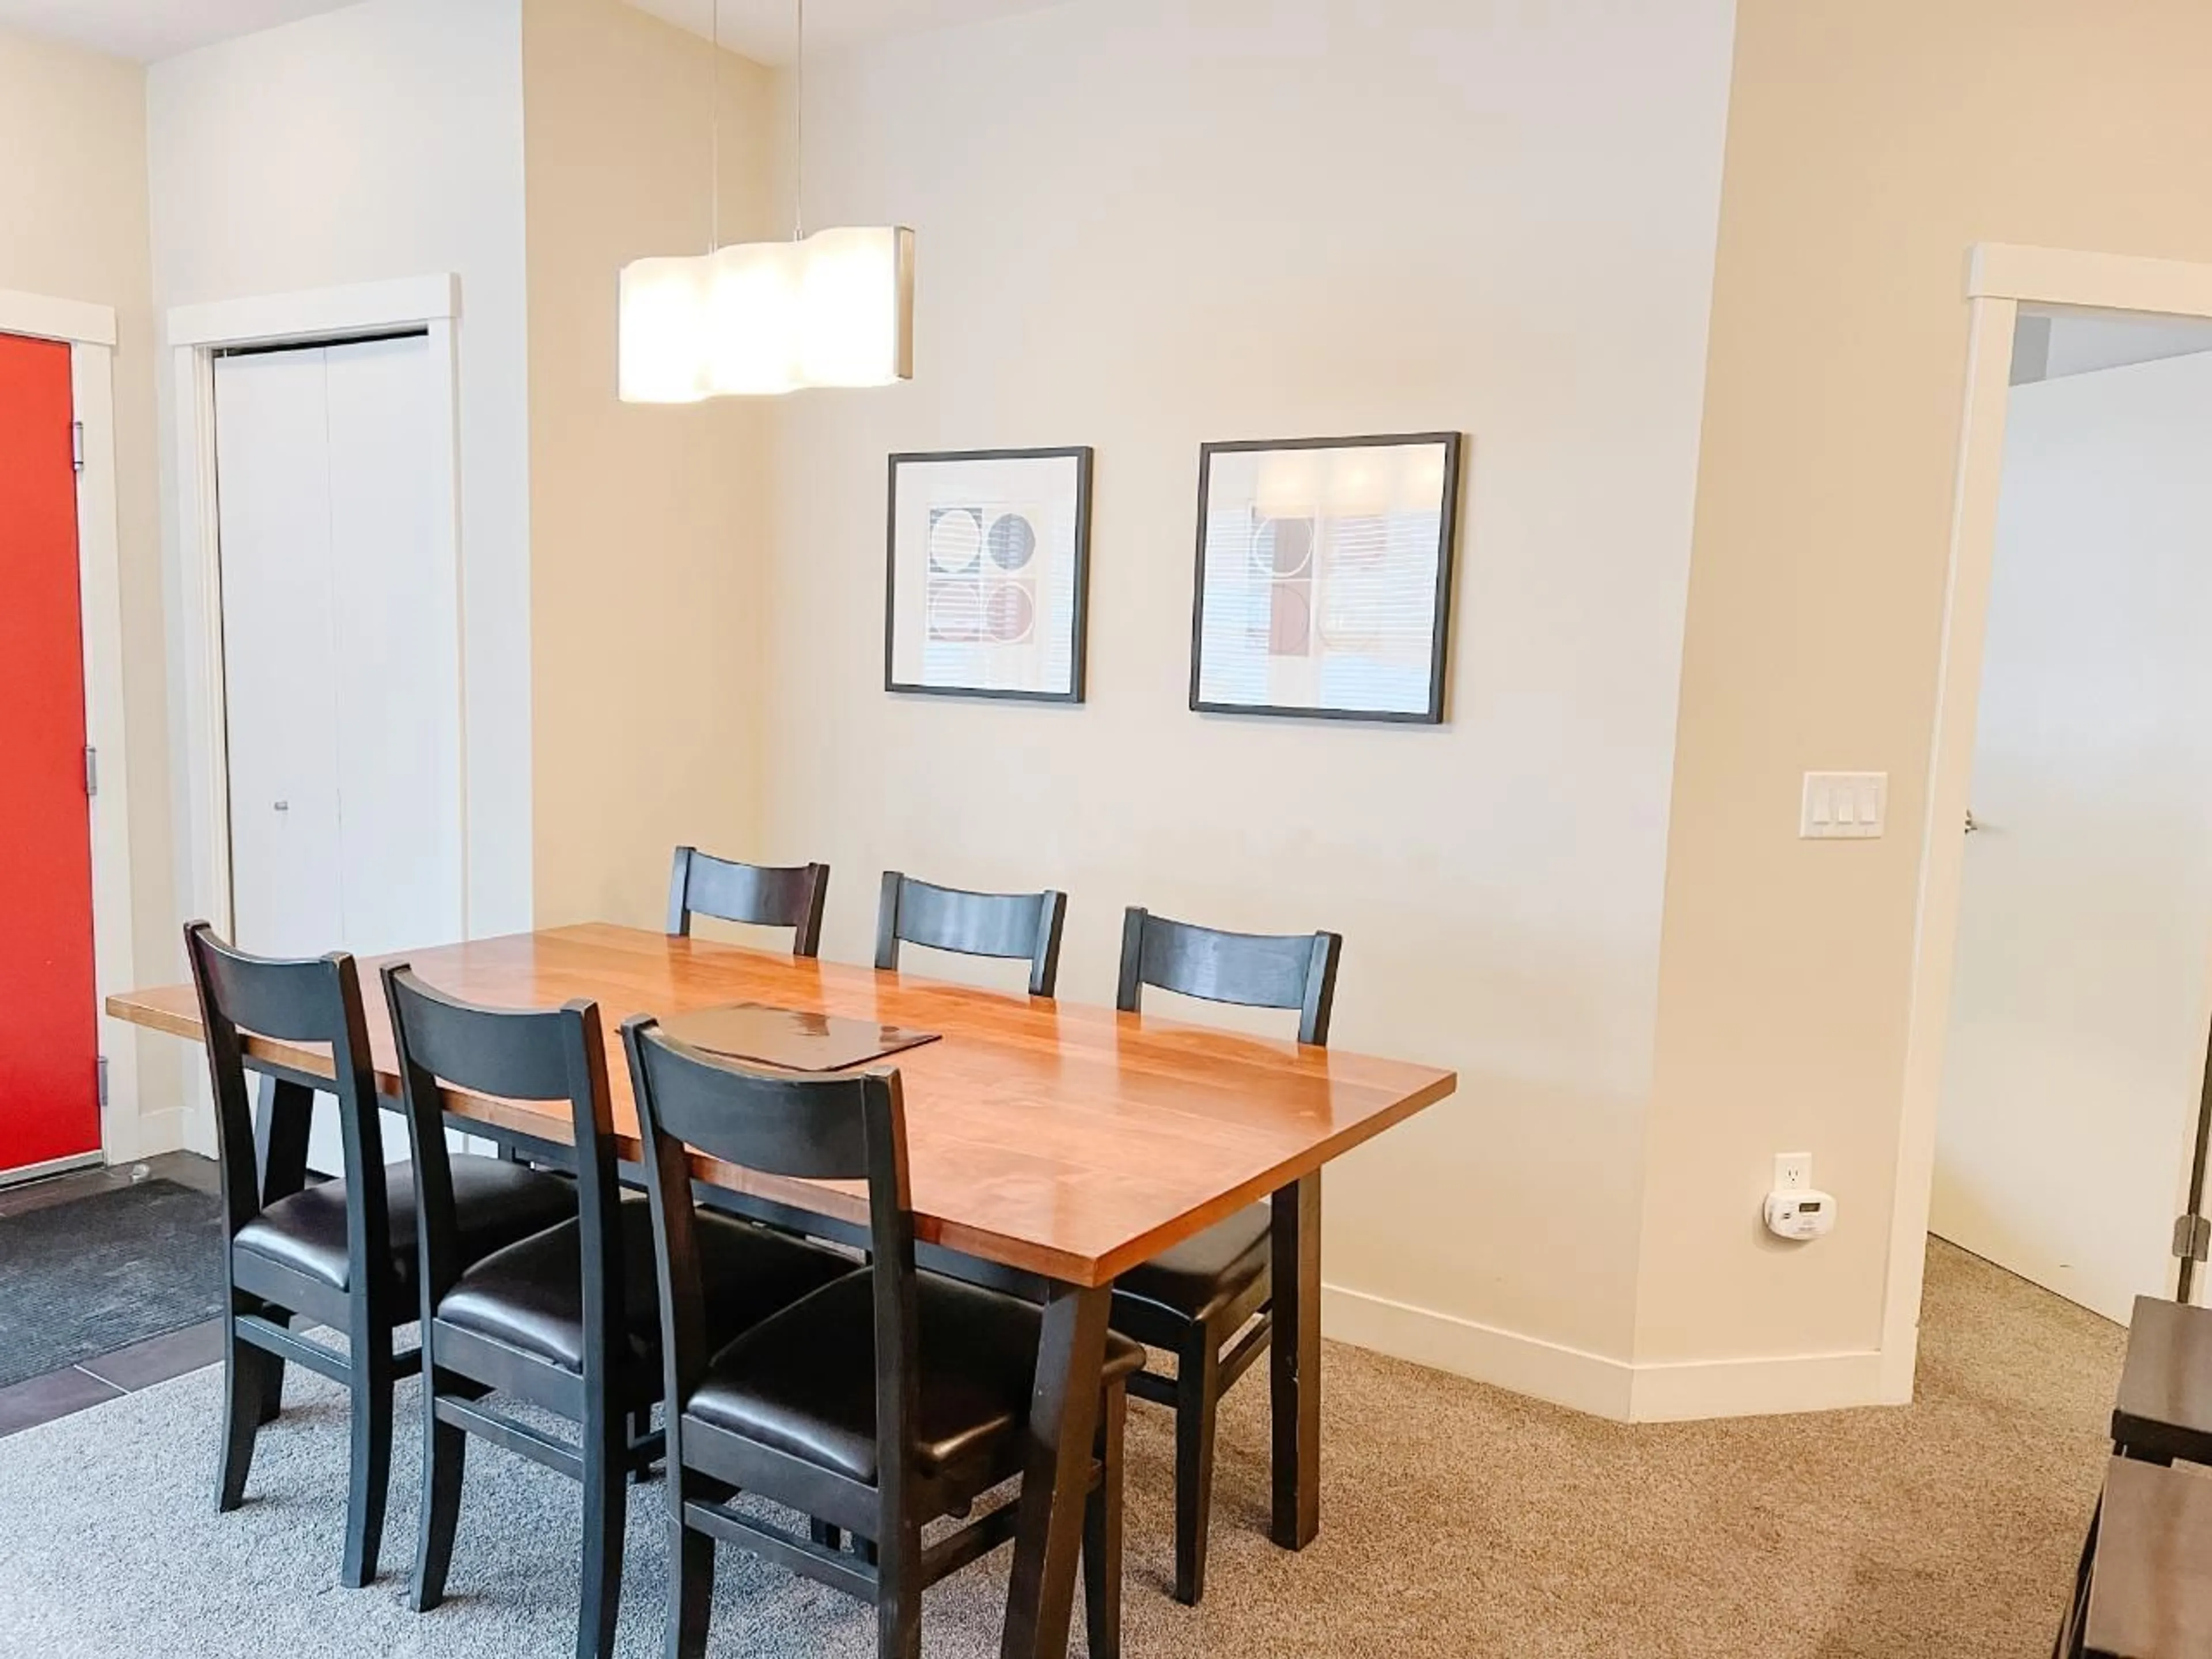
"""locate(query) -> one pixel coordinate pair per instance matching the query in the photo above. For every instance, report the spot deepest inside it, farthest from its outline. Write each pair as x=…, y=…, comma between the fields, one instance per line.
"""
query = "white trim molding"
x=89, y=332
x=1763, y=1386
x=196, y=333
x=2000, y=278
x=1625, y=1392
x=76, y=321
x=326, y=313
x=1507, y=1360
x=2091, y=282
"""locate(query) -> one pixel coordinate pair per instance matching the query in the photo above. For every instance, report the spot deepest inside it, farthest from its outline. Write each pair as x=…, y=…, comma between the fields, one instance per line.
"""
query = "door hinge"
x=103, y=1082
x=2192, y=1238
x=91, y=770
x=76, y=445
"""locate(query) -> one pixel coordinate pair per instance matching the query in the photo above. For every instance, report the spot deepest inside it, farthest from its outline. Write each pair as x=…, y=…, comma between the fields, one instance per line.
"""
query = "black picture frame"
x=1082, y=457
x=1447, y=557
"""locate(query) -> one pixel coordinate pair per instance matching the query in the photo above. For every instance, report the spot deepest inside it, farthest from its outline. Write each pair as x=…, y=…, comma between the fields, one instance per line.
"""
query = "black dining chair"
x=566, y=1319
x=702, y=884
x=1014, y=926
x=340, y=1254
x=878, y=1404
x=1193, y=1300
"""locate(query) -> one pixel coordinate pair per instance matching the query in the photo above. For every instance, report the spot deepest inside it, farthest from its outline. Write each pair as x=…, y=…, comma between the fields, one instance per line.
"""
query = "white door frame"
x=196, y=333
x=2000, y=278
x=88, y=331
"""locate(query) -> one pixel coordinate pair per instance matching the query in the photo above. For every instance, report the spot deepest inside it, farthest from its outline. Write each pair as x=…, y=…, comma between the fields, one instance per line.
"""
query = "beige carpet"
x=1948, y=1530
x=1457, y=1520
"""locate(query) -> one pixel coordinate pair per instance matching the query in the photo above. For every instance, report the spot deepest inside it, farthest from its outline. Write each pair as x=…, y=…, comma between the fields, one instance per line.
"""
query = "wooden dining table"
x=1048, y=1142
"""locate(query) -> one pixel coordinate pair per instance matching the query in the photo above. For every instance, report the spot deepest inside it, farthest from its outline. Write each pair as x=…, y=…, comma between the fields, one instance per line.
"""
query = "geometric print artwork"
x=1324, y=577
x=988, y=555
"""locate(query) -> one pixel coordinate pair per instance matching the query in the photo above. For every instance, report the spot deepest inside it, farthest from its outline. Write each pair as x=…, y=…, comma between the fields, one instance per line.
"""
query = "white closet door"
x=397, y=662
x=273, y=516
x=341, y=660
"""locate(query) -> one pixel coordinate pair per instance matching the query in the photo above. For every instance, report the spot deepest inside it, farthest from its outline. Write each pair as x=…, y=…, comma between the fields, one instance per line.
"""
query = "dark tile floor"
x=42, y=1399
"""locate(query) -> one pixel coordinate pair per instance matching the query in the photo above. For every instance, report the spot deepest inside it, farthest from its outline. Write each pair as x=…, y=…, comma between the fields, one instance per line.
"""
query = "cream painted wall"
x=647, y=523
x=1869, y=144
x=73, y=199
x=1143, y=224
x=381, y=141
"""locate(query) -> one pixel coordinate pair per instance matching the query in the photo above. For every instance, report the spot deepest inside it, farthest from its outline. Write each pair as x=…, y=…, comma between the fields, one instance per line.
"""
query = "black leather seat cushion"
x=494, y=1204
x=531, y=1294
x=805, y=1381
x=1201, y=1275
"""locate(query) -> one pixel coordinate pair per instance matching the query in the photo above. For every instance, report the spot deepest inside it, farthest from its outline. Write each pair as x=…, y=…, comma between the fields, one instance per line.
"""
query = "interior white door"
x=341, y=658
x=396, y=656
x=2082, y=986
x=280, y=704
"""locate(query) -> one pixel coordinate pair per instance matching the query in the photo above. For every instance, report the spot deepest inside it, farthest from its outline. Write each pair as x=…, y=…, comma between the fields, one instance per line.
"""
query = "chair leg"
x=272, y=1396
x=1198, y=1396
x=898, y=1602
x=371, y=1473
x=691, y=1598
x=246, y=1386
x=1102, y=1533
x=606, y=1510
x=445, y=1457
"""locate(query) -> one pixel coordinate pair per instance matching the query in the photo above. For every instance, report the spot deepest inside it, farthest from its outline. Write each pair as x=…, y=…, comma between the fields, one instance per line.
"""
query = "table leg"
x=1055, y=1472
x=1294, y=1361
x=280, y=1137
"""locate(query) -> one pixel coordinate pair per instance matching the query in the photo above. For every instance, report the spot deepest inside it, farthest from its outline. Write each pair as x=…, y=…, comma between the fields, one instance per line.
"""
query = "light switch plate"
x=1843, y=806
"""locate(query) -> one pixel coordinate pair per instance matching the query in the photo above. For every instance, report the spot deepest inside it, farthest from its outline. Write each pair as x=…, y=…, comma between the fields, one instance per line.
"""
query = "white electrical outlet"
x=1792, y=1172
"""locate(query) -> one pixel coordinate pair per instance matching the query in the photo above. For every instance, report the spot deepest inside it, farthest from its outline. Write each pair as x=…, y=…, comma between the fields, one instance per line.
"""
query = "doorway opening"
x=341, y=672
x=69, y=1078
x=322, y=672
x=2071, y=1117
x=50, y=1068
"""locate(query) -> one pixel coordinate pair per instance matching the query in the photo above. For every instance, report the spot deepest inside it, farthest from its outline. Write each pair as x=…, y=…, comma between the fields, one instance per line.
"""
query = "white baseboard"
x=1598, y=1384
x=1508, y=1359
x=1763, y=1387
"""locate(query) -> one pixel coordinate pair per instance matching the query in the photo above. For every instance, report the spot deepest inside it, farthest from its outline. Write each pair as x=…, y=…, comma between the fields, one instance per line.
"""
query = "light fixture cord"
x=799, y=134
x=714, y=128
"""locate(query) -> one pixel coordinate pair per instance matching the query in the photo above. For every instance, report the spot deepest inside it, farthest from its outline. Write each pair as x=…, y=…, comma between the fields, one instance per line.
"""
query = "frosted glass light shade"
x=661, y=353
x=856, y=321
x=761, y=318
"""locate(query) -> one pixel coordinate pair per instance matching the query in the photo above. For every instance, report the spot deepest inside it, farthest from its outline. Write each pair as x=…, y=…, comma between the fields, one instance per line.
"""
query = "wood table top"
x=1064, y=1139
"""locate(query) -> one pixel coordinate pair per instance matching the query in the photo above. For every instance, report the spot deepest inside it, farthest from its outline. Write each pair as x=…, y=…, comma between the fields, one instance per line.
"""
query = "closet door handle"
x=283, y=805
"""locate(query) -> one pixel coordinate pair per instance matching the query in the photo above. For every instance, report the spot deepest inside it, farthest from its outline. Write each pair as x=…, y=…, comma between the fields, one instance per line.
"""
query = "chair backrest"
x=1256, y=970
x=703, y=885
x=516, y=1054
x=311, y=1000
x=1008, y=925
x=839, y=1127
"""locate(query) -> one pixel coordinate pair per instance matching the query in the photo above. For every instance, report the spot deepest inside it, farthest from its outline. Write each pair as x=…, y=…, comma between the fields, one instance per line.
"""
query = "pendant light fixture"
x=761, y=319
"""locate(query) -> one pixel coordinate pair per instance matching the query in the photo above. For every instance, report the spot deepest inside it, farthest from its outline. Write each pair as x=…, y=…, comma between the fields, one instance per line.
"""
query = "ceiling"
x=150, y=29
x=763, y=29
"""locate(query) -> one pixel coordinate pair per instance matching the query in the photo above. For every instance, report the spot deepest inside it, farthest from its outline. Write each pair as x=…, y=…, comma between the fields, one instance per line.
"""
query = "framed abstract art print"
x=1323, y=587
x=989, y=568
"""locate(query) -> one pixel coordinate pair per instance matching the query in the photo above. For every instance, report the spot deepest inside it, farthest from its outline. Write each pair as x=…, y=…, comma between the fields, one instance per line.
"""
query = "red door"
x=49, y=1040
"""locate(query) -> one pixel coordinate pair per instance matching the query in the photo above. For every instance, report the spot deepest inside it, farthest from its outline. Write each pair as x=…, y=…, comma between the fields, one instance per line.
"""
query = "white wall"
x=2082, y=345
x=381, y=141
x=1143, y=224
x=1869, y=146
x=2080, y=992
